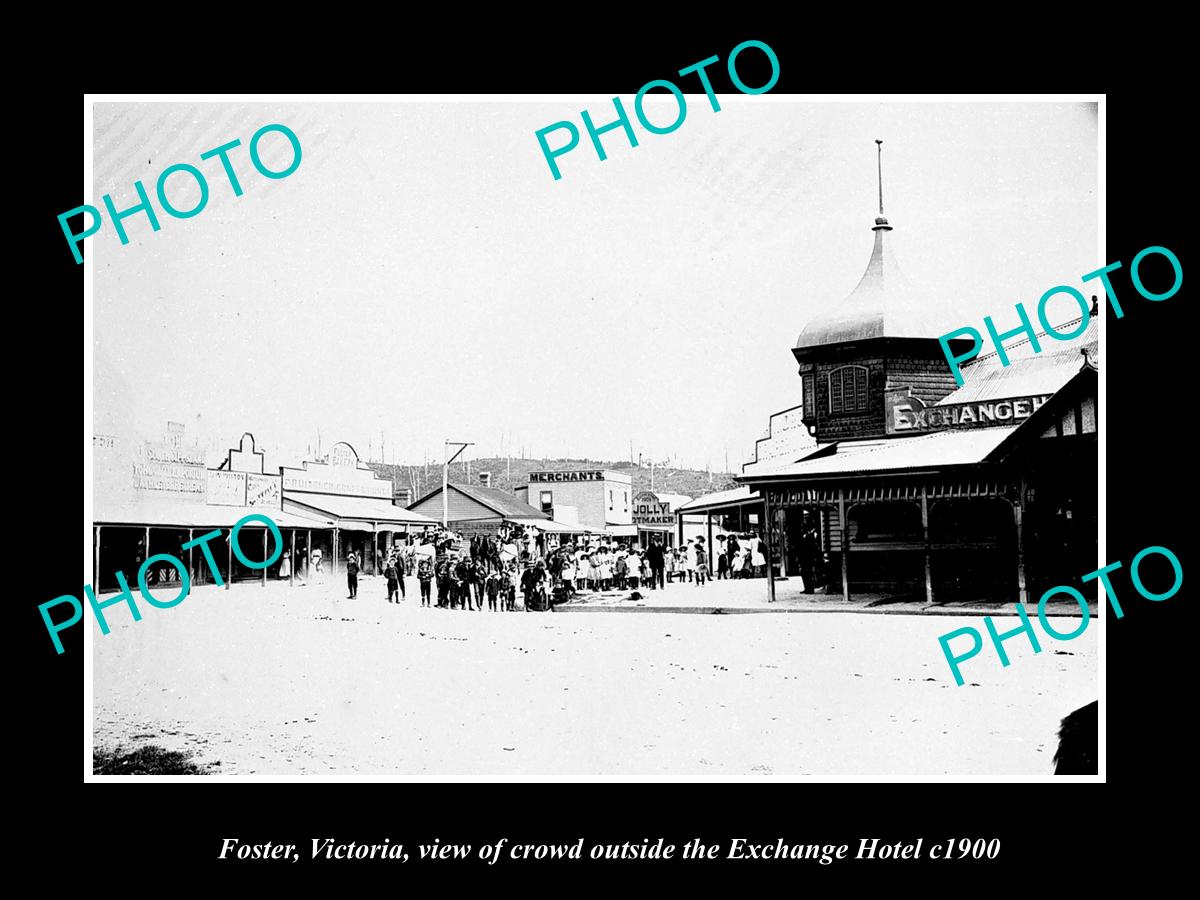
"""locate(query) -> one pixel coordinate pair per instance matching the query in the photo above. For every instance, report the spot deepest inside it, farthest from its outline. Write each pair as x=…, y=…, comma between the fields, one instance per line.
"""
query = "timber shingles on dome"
x=885, y=304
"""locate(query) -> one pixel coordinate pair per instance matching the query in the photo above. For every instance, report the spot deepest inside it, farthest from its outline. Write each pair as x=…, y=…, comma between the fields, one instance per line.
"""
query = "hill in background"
x=508, y=474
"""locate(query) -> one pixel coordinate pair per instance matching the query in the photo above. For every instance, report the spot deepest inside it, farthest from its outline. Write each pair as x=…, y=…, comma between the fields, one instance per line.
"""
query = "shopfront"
x=155, y=496
x=366, y=519
x=916, y=488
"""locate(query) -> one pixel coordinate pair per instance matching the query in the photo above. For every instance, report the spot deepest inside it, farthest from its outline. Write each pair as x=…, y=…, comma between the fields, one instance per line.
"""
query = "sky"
x=421, y=276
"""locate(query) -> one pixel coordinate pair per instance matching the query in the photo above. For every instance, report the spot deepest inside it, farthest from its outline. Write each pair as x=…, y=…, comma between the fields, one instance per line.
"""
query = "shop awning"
x=731, y=499
x=170, y=514
x=928, y=451
x=621, y=530
x=356, y=513
x=551, y=526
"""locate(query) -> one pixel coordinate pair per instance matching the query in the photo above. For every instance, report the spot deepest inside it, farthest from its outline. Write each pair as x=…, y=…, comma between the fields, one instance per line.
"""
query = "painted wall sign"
x=264, y=490
x=649, y=510
x=342, y=474
x=173, y=477
x=910, y=415
x=566, y=476
x=318, y=483
x=226, y=488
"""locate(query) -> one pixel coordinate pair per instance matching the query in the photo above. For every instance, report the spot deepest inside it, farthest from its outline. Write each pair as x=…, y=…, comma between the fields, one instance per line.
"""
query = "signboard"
x=342, y=474
x=648, y=510
x=174, y=477
x=264, y=490
x=910, y=415
x=226, y=488
x=317, y=483
x=565, y=476
x=162, y=453
x=342, y=456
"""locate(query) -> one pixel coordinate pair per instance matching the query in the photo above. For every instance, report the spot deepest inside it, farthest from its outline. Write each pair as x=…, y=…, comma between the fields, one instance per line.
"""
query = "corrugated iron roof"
x=938, y=449
x=370, y=509
x=176, y=514
x=1028, y=373
x=501, y=501
x=720, y=498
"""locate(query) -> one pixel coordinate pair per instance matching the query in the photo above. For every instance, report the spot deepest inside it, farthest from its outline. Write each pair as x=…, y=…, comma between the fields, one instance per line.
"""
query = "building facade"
x=598, y=500
x=917, y=487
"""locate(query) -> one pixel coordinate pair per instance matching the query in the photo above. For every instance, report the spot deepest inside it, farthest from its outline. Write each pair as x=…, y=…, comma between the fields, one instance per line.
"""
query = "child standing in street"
x=425, y=577
x=389, y=572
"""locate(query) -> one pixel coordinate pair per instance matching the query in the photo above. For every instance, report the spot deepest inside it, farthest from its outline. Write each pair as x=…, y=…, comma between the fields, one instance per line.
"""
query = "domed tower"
x=881, y=340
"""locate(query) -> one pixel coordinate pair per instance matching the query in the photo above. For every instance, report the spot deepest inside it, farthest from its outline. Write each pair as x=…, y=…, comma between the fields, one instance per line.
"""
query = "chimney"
x=485, y=479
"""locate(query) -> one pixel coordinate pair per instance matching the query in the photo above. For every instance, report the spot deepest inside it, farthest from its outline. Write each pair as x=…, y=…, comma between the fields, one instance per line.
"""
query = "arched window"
x=848, y=389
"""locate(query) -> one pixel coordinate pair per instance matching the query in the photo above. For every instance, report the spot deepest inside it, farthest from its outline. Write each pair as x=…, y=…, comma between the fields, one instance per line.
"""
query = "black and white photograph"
x=479, y=440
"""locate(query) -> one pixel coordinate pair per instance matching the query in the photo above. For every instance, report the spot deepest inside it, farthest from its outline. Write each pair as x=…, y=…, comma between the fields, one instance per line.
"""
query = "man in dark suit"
x=658, y=565
x=352, y=574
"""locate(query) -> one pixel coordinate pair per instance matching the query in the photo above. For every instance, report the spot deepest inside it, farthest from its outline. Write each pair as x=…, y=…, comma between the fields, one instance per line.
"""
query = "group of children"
x=464, y=583
x=602, y=569
x=461, y=583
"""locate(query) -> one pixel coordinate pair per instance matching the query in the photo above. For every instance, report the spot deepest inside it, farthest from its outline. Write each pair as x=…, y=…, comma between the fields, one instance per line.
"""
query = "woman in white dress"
x=583, y=571
x=606, y=571
x=687, y=561
x=757, y=558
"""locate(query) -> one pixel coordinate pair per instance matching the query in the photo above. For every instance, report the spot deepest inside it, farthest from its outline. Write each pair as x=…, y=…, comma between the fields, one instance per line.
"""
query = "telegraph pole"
x=447, y=459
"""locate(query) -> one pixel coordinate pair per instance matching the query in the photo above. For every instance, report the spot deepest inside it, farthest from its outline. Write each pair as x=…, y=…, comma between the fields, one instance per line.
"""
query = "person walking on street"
x=351, y=574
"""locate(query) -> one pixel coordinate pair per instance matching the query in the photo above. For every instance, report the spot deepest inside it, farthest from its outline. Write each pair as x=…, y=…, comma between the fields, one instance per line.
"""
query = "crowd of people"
x=489, y=571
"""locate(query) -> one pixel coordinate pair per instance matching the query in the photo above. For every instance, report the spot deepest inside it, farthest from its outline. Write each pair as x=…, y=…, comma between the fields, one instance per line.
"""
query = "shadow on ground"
x=148, y=760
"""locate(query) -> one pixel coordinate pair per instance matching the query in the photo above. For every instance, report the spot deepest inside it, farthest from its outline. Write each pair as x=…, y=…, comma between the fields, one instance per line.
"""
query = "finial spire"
x=881, y=224
x=879, y=145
